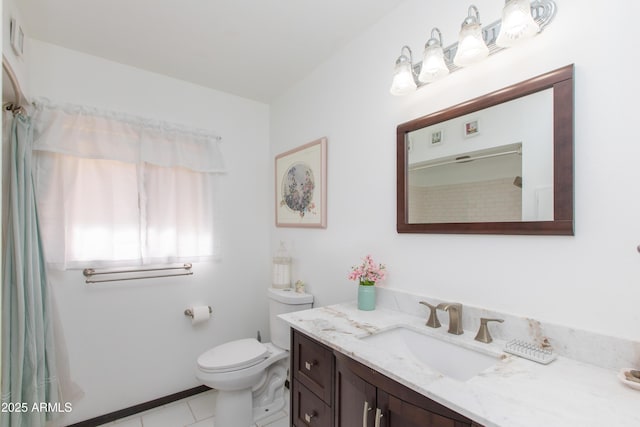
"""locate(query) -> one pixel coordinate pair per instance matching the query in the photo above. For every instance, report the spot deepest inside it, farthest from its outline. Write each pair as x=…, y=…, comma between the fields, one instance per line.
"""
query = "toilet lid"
x=233, y=355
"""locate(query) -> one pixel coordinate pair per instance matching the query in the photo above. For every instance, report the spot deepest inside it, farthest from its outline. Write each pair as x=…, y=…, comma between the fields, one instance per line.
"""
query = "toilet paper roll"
x=200, y=314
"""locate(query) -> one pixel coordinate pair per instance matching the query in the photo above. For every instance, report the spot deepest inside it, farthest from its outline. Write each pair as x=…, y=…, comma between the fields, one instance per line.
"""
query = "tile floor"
x=194, y=411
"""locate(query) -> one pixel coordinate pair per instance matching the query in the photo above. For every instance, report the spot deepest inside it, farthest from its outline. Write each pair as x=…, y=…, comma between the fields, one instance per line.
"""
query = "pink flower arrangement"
x=368, y=273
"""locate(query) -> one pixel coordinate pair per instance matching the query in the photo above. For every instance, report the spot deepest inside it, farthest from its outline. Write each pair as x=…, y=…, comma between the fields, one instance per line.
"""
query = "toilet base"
x=230, y=405
x=231, y=408
x=245, y=407
x=268, y=397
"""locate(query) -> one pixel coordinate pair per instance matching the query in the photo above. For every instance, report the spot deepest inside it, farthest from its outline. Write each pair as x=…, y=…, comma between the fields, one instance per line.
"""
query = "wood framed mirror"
x=501, y=163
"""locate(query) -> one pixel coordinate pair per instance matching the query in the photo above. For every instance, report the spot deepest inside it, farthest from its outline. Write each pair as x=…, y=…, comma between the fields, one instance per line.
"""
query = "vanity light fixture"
x=520, y=20
x=433, y=65
x=471, y=45
x=403, y=79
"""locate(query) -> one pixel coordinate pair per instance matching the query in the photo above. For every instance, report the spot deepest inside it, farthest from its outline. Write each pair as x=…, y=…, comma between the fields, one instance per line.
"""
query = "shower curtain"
x=29, y=375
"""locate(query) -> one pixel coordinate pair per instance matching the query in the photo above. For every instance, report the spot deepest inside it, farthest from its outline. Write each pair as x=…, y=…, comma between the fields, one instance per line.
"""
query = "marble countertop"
x=514, y=392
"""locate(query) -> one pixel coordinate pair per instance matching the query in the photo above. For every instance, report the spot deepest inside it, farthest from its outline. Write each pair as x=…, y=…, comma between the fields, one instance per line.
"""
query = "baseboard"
x=132, y=410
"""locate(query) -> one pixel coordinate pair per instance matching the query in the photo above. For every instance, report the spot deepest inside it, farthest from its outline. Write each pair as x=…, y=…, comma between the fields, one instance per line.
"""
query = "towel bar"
x=90, y=272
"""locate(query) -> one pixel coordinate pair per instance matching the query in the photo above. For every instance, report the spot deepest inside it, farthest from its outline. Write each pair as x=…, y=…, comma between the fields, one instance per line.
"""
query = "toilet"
x=250, y=375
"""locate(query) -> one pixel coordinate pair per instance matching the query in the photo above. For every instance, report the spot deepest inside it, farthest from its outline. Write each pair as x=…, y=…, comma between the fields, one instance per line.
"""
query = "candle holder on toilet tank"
x=281, y=268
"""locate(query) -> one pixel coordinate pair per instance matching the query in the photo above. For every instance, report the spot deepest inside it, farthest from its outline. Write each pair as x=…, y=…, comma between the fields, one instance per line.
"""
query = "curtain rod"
x=465, y=159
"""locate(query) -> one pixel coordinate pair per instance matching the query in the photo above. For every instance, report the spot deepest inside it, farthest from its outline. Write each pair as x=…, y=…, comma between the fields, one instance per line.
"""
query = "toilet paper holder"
x=189, y=312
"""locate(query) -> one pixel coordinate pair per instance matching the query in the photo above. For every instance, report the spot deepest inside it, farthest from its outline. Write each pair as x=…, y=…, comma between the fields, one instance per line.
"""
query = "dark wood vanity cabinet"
x=338, y=391
x=355, y=398
x=361, y=392
x=312, y=370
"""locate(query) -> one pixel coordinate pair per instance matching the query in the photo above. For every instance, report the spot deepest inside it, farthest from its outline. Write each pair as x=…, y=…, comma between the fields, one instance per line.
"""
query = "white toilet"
x=250, y=375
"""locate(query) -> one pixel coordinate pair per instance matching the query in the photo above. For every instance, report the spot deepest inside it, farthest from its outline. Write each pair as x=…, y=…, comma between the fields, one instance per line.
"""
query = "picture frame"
x=437, y=137
x=301, y=186
x=471, y=128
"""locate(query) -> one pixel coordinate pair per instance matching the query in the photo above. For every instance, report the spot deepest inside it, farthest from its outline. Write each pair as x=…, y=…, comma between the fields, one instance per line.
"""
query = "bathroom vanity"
x=331, y=389
x=343, y=376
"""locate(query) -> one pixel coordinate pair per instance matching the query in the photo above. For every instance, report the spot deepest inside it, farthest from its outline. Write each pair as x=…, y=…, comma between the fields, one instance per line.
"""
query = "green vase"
x=366, y=296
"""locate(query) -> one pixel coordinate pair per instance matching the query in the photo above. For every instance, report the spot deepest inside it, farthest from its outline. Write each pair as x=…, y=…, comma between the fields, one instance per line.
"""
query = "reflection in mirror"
x=498, y=164
x=477, y=186
x=503, y=173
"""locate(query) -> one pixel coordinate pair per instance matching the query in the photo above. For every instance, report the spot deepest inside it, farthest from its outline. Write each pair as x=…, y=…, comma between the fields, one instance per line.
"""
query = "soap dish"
x=622, y=376
x=530, y=351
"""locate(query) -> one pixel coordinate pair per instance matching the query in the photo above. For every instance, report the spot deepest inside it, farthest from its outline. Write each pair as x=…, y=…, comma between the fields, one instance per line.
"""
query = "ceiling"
x=254, y=49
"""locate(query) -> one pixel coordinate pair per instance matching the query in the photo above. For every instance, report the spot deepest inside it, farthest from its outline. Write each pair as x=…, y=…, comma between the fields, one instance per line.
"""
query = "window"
x=118, y=191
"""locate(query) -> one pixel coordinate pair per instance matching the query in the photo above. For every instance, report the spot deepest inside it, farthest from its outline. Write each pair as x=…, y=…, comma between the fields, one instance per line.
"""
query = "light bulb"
x=403, y=81
x=471, y=45
x=433, y=65
x=517, y=23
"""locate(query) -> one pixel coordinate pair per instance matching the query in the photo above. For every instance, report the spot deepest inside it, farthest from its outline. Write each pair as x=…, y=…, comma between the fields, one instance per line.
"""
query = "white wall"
x=589, y=281
x=130, y=342
x=18, y=63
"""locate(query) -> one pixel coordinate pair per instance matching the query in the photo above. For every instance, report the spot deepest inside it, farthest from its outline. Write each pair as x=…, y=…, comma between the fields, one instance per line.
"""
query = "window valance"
x=93, y=134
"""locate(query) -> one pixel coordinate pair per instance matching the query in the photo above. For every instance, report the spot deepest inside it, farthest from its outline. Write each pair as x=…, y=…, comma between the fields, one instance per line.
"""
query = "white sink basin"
x=449, y=359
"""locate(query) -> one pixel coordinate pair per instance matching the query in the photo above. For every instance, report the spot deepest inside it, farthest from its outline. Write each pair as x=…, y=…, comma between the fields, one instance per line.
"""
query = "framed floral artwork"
x=301, y=186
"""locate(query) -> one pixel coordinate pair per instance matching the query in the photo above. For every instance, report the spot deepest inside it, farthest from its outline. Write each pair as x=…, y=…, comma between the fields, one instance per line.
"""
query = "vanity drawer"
x=312, y=365
x=309, y=409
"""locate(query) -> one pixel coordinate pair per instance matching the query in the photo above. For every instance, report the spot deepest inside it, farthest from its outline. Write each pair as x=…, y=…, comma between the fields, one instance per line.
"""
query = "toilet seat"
x=234, y=355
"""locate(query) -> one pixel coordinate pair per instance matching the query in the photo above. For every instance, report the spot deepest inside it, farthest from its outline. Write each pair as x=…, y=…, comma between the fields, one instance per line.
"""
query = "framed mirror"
x=501, y=163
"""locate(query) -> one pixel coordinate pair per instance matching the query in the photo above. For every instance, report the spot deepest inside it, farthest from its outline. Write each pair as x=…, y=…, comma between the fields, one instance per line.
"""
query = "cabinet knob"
x=309, y=365
x=307, y=417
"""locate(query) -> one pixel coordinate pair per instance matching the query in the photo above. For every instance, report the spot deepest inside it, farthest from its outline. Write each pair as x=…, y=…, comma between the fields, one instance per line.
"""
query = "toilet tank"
x=284, y=301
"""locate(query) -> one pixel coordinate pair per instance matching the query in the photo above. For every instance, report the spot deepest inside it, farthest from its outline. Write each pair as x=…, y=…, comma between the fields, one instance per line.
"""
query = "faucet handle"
x=483, y=333
x=433, y=321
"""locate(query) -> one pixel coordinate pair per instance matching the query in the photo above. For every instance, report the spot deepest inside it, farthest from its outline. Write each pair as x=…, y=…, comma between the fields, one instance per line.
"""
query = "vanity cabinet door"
x=355, y=399
x=400, y=413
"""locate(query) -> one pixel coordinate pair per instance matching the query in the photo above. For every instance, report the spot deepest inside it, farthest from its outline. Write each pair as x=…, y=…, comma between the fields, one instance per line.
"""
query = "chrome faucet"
x=455, y=316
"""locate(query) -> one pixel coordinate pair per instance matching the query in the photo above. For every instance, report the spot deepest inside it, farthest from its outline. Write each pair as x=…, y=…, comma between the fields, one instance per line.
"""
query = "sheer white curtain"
x=121, y=190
